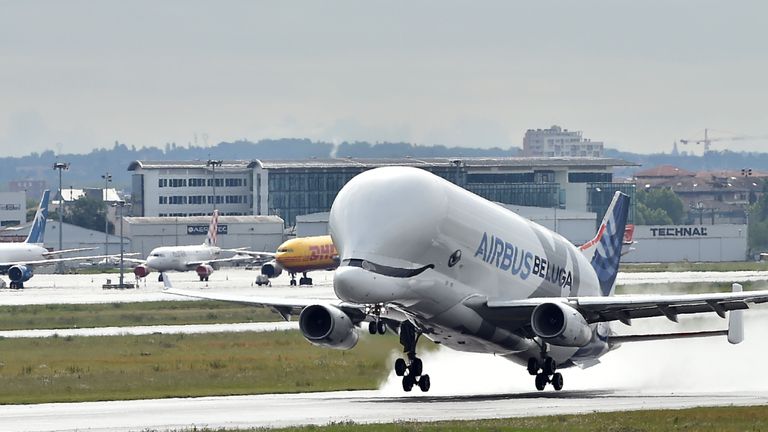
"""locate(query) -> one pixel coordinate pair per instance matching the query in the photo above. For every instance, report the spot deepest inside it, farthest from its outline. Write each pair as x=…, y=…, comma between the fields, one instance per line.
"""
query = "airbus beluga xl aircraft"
x=428, y=258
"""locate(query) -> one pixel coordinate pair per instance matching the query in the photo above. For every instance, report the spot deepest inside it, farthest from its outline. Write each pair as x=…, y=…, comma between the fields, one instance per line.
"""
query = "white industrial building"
x=558, y=142
x=13, y=208
x=695, y=243
x=257, y=233
x=189, y=188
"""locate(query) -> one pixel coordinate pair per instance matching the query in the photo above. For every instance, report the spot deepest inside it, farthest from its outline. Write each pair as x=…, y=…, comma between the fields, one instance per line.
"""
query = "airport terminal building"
x=299, y=187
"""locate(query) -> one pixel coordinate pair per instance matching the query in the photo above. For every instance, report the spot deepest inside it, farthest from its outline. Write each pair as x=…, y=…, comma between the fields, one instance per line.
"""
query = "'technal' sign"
x=203, y=229
x=679, y=231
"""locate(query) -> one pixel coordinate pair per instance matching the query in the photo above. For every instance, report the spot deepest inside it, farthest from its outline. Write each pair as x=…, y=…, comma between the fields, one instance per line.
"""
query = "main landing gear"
x=545, y=372
x=204, y=278
x=16, y=285
x=302, y=281
x=160, y=277
x=410, y=371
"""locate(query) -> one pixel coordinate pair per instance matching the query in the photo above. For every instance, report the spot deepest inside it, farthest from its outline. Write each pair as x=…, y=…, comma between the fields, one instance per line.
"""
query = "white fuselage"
x=407, y=218
x=21, y=252
x=180, y=258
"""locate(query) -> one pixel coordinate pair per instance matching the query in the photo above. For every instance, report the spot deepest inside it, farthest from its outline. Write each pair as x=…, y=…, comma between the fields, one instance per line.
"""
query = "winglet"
x=736, y=322
x=166, y=281
x=37, y=231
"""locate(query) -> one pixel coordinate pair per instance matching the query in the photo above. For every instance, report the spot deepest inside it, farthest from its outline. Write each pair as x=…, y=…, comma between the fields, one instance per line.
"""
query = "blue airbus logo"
x=508, y=257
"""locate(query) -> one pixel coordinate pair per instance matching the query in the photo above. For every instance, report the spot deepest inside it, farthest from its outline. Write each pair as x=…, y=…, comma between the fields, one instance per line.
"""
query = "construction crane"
x=707, y=141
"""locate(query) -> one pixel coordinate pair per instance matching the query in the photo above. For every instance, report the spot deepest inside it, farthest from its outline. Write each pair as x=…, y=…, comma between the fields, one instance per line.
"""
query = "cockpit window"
x=284, y=250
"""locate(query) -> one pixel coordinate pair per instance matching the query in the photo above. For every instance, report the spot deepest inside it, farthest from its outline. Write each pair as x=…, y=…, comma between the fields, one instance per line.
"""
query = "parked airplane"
x=428, y=258
x=300, y=255
x=18, y=259
x=202, y=258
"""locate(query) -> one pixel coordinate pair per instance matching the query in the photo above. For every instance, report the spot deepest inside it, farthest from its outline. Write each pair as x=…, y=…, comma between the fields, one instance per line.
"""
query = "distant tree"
x=647, y=216
x=87, y=213
x=32, y=205
x=656, y=203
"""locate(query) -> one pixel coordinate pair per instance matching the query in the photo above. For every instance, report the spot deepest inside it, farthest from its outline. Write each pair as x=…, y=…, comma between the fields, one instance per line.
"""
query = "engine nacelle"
x=560, y=324
x=141, y=271
x=327, y=326
x=271, y=269
x=204, y=270
x=20, y=273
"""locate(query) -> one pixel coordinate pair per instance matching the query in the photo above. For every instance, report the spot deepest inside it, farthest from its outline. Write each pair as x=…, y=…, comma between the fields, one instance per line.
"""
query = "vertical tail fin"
x=213, y=228
x=37, y=230
x=604, y=251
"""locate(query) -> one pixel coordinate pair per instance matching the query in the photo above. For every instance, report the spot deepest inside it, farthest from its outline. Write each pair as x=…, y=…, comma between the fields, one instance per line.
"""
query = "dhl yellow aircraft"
x=301, y=255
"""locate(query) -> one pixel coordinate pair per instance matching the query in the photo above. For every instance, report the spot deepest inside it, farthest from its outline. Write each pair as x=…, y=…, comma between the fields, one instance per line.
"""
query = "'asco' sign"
x=203, y=229
x=679, y=231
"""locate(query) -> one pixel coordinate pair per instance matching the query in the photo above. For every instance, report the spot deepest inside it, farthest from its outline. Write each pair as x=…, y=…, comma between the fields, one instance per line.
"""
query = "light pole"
x=213, y=163
x=61, y=166
x=107, y=178
x=121, y=204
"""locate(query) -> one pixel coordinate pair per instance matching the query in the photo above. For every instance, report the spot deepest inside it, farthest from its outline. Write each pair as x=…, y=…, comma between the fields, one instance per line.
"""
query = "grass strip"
x=156, y=366
x=55, y=316
x=720, y=419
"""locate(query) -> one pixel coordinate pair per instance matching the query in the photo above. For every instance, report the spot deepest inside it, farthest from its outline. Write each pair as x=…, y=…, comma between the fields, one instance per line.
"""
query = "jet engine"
x=271, y=269
x=20, y=273
x=204, y=270
x=327, y=326
x=560, y=324
x=141, y=271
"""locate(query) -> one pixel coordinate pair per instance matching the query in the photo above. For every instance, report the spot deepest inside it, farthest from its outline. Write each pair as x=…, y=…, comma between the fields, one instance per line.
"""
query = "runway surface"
x=154, y=329
x=323, y=408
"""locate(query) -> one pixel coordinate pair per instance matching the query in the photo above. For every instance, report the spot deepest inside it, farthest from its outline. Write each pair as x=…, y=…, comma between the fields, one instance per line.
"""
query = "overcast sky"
x=636, y=75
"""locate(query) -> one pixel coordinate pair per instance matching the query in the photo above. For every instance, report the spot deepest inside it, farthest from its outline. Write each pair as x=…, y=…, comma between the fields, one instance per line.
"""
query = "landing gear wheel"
x=416, y=367
x=550, y=366
x=408, y=383
x=381, y=327
x=372, y=327
x=14, y=285
x=541, y=381
x=400, y=367
x=293, y=282
x=557, y=381
x=424, y=383
x=305, y=280
x=160, y=277
x=533, y=366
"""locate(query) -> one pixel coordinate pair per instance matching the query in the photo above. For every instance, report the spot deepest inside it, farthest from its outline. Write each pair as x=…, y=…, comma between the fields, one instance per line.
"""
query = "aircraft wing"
x=63, y=251
x=284, y=306
x=253, y=254
x=56, y=260
x=624, y=308
x=192, y=264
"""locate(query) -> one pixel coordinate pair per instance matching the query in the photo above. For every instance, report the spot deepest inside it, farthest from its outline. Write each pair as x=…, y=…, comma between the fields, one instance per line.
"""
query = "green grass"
x=695, y=266
x=155, y=366
x=722, y=419
x=129, y=314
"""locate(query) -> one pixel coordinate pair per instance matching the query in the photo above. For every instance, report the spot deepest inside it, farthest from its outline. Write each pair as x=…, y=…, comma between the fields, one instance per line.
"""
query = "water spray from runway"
x=679, y=366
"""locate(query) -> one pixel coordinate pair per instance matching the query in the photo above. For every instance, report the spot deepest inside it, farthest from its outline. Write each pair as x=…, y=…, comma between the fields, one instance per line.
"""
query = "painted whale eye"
x=454, y=258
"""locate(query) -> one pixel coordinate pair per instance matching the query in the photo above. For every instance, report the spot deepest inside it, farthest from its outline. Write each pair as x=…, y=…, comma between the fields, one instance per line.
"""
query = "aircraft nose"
x=388, y=216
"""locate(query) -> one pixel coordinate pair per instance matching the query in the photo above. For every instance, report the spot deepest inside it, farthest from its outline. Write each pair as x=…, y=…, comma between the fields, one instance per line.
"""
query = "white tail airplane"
x=428, y=258
x=17, y=260
x=200, y=258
